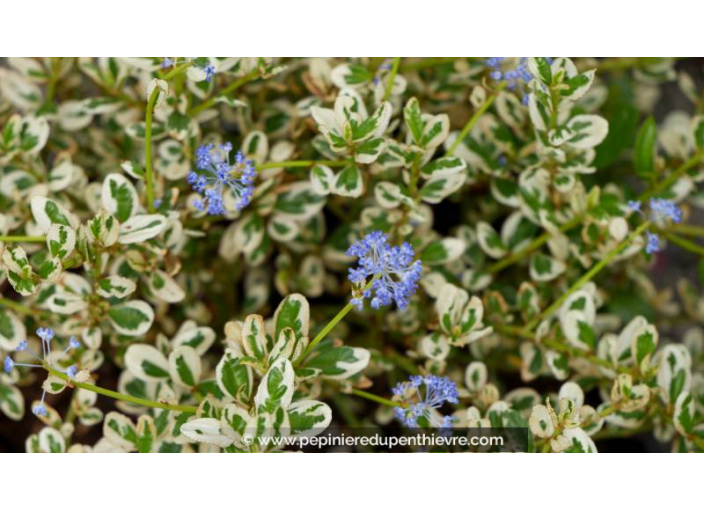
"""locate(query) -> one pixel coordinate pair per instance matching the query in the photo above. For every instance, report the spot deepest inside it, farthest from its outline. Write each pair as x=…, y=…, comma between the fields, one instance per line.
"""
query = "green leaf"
x=340, y=363
x=308, y=417
x=698, y=131
x=119, y=197
x=120, y=430
x=276, y=388
x=234, y=378
x=12, y=330
x=146, y=362
x=11, y=402
x=254, y=337
x=185, y=366
x=414, y=121
x=133, y=318
x=544, y=71
x=644, y=150
x=349, y=183
x=141, y=228
x=293, y=312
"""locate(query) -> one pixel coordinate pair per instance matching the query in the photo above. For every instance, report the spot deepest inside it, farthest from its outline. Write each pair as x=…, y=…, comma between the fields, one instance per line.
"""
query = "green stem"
x=227, y=90
x=376, y=398
x=148, y=149
x=177, y=70
x=392, y=77
x=607, y=411
x=18, y=307
x=673, y=177
x=329, y=326
x=303, y=163
x=595, y=269
x=688, y=230
x=121, y=396
x=324, y=332
x=428, y=62
x=473, y=120
x=537, y=243
x=149, y=172
x=626, y=63
x=684, y=243
x=576, y=353
x=546, y=236
x=53, y=78
x=22, y=239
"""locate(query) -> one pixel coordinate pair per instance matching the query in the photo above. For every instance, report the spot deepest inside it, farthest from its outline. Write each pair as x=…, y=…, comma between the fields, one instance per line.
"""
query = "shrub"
x=233, y=249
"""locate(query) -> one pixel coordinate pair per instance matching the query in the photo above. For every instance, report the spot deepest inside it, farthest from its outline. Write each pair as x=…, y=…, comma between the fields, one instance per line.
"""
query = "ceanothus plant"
x=205, y=254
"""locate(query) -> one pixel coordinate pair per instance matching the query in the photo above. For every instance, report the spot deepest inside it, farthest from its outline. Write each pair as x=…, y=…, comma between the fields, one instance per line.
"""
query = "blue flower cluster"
x=661, y=211
x=420, y=403
x=46, y=335
x=220, y=176
x=393, y=271
x=516, y=79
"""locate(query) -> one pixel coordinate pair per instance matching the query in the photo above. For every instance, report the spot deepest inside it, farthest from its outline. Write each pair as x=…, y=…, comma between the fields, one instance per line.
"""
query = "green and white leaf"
x=200, y=338
x=119, y=197
x=206, y=430
x=11, y=402
x=544, y=268
x=438, y=187
x=490, y=241
x=276, y=388
x=46, y=213
x=254, y=337
x=120, y=430
x=293, y=312
x=115, y=287
x=308, y=418
x=340, y=363
x=133, y=318
x=141, y=228
x=147, y=362
x=321, y=179
x=185, y=366
x=165, y=287
x=349, y=182
x=61, y=241
x=51, y=441
x=233, y=377
x=12, y=330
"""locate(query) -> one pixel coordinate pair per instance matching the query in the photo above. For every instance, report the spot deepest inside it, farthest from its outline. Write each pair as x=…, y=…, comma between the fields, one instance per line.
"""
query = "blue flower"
x=662, y=209
x=46, y=334
x=420, y=403
x=221, y=176
x=395, y=274
x=516, y=78
x=633, y=205
x=209, y=71
x=653, y=243
x=9, y=364
x=40, y=408
x=167, y=62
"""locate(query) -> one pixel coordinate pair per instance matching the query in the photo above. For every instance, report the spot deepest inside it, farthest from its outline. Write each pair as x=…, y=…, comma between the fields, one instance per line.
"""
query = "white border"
x=360, y=27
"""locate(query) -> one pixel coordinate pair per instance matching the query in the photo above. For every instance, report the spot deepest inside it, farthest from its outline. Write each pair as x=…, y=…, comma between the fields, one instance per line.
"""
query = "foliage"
x=257, y=245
